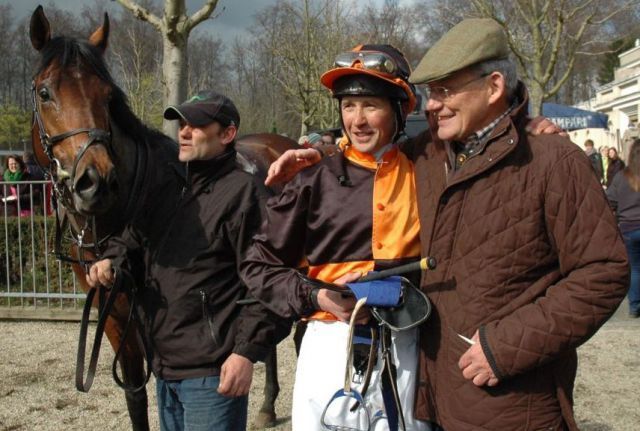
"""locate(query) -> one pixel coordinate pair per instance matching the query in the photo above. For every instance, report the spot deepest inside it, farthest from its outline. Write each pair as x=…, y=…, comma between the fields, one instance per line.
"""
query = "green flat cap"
x=469, y=42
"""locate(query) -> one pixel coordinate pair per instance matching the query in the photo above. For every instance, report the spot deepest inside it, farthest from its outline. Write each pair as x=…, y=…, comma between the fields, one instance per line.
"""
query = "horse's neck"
x=126, y=157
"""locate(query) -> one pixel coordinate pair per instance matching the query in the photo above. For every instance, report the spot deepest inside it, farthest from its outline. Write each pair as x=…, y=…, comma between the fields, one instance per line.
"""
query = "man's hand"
x=341, y=305
x=289, y=164
x=235, y=376
x=543, y=126
x=101, y=274
x=475, y=367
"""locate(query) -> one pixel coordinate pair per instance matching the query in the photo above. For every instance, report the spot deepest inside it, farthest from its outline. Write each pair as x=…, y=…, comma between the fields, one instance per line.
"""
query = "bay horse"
x=106, y=168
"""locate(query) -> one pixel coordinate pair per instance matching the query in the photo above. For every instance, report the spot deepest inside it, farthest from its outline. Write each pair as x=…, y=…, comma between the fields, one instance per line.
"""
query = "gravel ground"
x=37, y=392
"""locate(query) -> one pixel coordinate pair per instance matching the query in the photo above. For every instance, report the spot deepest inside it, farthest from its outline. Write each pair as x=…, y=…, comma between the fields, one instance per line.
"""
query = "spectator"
x=19, y=197
x=624, y=195
x=595, y=158
x=328, y=138
x=615, y=165
x=314, y=139
x=35, y=171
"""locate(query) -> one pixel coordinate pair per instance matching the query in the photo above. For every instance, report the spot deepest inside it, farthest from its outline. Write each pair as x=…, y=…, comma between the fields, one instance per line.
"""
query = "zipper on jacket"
x=208, y=317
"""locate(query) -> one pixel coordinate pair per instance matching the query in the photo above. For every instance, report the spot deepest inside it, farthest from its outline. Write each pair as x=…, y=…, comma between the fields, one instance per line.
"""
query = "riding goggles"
x=372, y=60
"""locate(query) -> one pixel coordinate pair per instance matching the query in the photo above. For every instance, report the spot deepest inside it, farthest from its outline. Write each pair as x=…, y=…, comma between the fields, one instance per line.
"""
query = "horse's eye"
x=44, y=94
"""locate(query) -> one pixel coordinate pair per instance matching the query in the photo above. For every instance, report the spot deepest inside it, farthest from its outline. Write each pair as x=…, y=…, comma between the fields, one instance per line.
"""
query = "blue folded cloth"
x=379, y=293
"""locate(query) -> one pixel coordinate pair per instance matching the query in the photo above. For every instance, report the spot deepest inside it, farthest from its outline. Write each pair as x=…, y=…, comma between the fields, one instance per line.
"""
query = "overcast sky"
x=234, y=16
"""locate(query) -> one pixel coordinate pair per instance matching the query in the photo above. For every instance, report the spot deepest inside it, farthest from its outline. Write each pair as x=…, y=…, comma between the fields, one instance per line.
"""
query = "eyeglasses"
x=443, y=93
x=373, y=60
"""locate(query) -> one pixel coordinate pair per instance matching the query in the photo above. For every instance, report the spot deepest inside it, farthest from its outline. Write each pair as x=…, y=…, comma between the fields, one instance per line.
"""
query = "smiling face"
x=470, y=103
x=13, y=165
x=368, y=121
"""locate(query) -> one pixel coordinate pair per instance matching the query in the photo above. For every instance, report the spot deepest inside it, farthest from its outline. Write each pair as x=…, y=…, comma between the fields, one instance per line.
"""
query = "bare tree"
x=207, y=65
x=174, y=26
x=299, y=41
x=136, y=49
x=546, y=37
x=394, y=25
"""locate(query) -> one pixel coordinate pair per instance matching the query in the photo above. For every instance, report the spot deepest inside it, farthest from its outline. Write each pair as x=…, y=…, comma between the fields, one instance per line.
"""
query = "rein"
x=104, y=308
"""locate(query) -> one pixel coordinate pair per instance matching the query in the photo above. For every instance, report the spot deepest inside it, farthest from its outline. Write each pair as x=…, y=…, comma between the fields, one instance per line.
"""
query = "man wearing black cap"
x=203, y=343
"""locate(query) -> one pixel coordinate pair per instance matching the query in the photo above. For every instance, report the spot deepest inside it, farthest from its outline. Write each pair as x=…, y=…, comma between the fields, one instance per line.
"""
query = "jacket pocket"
x=206, y=314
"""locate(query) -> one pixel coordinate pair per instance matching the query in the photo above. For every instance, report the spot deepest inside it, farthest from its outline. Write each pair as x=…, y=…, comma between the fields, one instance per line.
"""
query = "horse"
x=103, y=163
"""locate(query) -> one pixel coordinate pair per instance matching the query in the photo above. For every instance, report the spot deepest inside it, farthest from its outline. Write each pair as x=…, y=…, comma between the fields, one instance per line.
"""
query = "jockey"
x=350, y=214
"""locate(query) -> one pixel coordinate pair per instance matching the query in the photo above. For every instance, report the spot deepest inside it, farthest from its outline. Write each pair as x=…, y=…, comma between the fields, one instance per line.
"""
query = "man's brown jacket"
x=529, y=253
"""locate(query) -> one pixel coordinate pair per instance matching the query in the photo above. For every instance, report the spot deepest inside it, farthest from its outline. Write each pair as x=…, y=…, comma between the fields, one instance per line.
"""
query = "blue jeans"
x=195, y=405
x=632, y=241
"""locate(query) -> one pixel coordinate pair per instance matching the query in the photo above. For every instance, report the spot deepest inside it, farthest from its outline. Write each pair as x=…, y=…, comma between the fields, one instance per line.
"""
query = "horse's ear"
x=101, y=35
x=39, y=29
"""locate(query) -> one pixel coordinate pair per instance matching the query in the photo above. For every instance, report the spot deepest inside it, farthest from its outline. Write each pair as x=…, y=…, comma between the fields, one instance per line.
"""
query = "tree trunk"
x=535, y=99
x=174, y=68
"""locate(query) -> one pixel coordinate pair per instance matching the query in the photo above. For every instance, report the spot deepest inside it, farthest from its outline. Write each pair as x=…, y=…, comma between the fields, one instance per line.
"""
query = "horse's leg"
x=131, y=363
x=267, y=415
x=301, y=328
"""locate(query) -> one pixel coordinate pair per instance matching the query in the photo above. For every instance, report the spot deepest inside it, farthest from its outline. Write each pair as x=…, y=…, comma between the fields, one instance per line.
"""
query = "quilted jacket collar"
x=501, y=142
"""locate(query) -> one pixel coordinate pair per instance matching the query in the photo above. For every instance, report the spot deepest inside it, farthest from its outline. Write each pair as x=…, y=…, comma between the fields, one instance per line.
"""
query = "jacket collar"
x=501, y=141
x=198, y=174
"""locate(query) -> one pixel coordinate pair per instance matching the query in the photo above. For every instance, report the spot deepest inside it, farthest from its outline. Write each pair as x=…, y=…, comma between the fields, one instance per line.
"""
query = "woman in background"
x=615, y=165
x=624, y=195
x=17, y=197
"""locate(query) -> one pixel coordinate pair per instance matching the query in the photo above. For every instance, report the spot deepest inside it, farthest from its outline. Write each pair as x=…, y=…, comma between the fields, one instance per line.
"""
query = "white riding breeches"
x=321, y=372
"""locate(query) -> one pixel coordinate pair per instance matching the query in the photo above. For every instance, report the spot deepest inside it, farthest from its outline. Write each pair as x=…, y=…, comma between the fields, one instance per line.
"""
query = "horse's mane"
x=68, y=51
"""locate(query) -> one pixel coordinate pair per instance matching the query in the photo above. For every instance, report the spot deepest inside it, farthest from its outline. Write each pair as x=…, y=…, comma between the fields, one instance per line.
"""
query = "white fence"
x=33, y=283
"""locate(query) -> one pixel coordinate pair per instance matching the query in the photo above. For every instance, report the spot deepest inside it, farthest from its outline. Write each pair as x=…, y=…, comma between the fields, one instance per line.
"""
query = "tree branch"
x=205, y=12
x=142, y=13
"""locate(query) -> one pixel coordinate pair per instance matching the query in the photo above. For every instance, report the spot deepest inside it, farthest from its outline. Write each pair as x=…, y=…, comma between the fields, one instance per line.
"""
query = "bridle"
x=48, y=142
x=64, y=183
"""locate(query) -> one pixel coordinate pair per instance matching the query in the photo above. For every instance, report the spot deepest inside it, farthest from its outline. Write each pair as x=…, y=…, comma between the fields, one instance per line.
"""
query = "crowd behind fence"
x=31, y=277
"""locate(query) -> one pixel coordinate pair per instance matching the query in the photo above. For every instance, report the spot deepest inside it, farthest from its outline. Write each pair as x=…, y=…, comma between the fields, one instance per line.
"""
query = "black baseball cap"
x=205, y=108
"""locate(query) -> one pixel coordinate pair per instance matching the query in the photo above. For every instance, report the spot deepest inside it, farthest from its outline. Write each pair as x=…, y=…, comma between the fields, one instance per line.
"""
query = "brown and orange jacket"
x=347, y=213
x=528, y=253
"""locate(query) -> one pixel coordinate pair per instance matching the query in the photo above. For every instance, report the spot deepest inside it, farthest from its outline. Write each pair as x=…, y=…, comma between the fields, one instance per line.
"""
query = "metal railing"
x=32, y=281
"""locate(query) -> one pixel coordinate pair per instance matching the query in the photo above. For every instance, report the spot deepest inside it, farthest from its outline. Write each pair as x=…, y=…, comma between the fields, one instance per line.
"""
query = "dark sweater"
x=626, y=202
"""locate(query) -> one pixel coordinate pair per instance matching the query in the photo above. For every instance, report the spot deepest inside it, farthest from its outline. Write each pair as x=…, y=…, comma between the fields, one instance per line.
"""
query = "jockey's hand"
x=543, y=126
x=235, y=376
x=341, y=305
x=101, y=274
x=290, y=163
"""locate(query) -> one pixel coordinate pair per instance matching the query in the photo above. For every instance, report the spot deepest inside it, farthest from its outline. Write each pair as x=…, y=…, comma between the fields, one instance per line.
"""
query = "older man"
x=530, y=261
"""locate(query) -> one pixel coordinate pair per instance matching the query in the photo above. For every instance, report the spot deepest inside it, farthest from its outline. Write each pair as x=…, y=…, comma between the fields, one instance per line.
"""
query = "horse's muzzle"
x=93, y=193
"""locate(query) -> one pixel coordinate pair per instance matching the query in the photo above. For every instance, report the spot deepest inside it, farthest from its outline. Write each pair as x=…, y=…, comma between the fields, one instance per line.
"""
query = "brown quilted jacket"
x=529, y=253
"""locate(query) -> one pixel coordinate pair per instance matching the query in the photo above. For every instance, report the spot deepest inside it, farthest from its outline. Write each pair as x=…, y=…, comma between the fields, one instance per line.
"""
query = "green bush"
x=23, y=250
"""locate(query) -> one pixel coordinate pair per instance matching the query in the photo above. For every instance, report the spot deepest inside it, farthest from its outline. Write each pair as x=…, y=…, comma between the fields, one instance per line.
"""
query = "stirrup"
x=347, y=391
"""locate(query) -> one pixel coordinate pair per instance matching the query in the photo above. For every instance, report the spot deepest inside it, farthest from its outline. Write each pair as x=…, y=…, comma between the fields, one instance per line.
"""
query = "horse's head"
x=71, y=132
